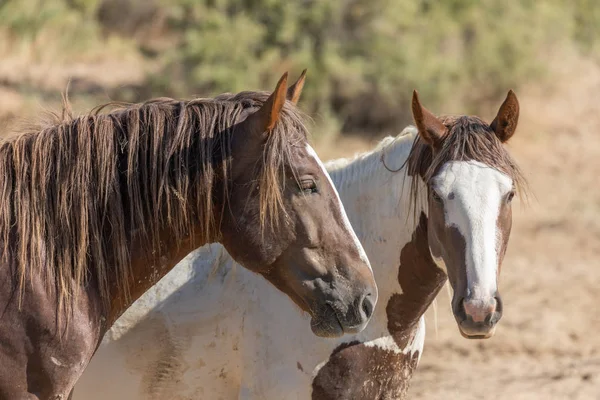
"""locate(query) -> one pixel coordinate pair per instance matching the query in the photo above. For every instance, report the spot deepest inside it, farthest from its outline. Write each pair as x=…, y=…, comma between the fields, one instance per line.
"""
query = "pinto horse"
x=431, y=203
x=96, y=209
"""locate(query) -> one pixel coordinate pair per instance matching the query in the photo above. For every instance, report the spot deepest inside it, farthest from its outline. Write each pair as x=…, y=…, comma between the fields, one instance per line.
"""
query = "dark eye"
x=436, y=197
x=308, y=186
x=510, y=196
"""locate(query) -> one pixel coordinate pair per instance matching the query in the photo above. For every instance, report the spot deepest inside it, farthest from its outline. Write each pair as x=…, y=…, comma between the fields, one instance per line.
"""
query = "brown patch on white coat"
x=372, y=371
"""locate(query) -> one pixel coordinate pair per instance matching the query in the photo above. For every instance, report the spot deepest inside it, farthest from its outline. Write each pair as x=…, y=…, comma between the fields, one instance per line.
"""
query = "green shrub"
x=364, y=56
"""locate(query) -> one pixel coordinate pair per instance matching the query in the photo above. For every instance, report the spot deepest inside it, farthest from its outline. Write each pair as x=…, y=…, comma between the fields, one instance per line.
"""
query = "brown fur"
x=505, y=123
x=431, y=129
x=98, y=208
x=294, y=91
x=356, y=371
x=420, y=279
x=74, y=189
x=466, y=138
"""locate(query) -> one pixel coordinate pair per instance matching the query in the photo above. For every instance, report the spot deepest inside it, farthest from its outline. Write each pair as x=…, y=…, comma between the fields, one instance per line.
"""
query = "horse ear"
x=294, y=91
x=266, y=117
x=430, y=128
x=505, y=123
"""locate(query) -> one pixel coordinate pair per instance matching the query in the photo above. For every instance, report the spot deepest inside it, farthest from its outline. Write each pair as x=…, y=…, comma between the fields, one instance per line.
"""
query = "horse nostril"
x=367, y=306
x=479, y=310
x=498, y=300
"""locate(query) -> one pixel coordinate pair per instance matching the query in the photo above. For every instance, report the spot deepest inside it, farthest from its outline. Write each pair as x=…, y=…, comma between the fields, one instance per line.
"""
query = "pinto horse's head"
x=471, y=181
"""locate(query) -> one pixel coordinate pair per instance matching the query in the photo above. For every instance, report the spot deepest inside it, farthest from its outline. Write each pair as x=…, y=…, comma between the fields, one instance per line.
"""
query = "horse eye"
x=308, y=186
x=510, y=196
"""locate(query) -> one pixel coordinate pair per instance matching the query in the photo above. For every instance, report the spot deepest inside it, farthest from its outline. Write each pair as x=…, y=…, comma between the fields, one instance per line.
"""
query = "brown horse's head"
x=284, y=219
x=471, y=183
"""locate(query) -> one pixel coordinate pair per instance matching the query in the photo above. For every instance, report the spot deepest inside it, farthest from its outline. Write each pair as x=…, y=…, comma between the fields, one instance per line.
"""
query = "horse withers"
x=420, y=204
x=96, y=209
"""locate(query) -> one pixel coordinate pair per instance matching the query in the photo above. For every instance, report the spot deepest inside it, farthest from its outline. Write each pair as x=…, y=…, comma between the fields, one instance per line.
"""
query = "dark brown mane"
x=77, y=191
x=468, y=138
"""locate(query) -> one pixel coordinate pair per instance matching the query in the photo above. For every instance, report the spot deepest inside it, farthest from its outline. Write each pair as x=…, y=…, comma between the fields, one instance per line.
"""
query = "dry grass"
x=45, y=63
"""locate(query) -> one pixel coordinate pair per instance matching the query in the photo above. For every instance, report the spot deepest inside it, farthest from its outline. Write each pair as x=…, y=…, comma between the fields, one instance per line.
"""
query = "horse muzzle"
x=337, y=319
x=477, y=317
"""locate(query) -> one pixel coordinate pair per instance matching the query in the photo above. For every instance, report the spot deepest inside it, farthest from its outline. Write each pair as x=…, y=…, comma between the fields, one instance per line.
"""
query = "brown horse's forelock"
x=75, y=191
x=467, y=139
x=277, y=155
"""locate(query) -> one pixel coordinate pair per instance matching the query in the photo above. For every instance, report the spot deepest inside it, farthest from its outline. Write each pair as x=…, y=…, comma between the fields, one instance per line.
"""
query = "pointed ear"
x=266, y=117
x=505, y=123
x=430, y=128
x=294, y=91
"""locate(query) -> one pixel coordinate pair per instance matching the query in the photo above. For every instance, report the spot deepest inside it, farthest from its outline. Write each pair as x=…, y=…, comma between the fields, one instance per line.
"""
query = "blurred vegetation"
x=364, y=56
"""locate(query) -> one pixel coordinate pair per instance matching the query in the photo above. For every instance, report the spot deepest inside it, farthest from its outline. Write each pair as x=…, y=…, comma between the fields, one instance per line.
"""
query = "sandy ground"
x=547, y=344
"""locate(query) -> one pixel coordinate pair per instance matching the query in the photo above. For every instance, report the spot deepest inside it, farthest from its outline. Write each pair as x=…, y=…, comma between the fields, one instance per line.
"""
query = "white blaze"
x=473, y=194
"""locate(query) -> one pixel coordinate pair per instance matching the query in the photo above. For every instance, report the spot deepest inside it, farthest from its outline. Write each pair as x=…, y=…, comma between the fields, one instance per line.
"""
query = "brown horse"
x=96, y=209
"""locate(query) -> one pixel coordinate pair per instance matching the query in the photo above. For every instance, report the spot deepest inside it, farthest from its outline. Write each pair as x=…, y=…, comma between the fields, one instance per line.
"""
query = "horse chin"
x=326, y=326
x=477, y=335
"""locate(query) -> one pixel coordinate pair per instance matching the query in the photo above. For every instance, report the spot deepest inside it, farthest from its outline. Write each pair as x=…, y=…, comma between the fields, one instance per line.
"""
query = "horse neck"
x=378, y=203
x=153, y=256
x=147, y=268
x=377, y=200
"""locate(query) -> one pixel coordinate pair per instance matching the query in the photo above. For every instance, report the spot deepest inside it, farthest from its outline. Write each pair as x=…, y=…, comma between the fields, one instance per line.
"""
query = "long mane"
x=76, y=191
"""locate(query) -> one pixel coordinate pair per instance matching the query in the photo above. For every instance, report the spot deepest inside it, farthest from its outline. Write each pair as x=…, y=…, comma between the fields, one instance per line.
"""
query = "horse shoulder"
x=39, y=354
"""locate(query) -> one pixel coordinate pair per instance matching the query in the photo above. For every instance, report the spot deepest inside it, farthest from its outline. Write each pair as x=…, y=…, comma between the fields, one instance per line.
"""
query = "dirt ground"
x=547, y=345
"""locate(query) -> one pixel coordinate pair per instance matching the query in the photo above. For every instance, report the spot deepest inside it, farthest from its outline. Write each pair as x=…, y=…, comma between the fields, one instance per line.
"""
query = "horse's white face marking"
x=472, y=193
x=345, y=219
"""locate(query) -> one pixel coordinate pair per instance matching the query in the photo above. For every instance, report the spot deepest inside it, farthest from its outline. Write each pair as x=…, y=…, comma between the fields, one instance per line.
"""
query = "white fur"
x=385, y=343
x=477, y=192
x=231, y=334
x=418, y=342
x=388, y=342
